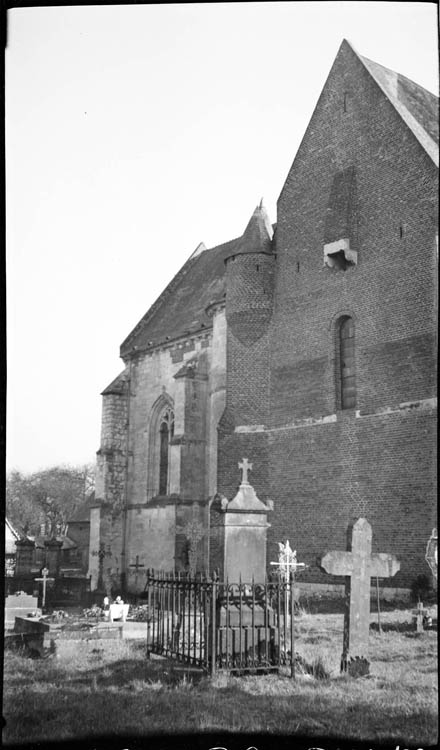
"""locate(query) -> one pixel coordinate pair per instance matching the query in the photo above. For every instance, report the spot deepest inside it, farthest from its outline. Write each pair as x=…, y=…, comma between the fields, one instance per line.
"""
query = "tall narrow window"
x=160, y=433
x=347, y=364
x=165, y=434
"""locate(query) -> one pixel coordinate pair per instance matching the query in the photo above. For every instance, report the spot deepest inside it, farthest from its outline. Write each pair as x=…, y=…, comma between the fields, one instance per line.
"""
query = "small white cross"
x=44, y=579
x=287, y=561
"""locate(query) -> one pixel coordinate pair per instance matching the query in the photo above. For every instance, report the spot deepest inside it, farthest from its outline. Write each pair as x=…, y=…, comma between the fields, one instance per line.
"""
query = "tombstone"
x=53, y=551
x=245, y=530
x=24, y=556
x=137, y=565
x=358, y=565
x=19, y=605
x=419, y=616
x=119, y=612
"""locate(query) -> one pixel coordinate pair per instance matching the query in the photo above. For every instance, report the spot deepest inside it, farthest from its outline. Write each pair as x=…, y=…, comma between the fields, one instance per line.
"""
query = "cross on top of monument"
x=245, y=466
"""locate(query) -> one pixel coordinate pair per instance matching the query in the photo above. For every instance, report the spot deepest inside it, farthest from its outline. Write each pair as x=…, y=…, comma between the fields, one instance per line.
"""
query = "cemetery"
x=198, y=654
x=90, y=686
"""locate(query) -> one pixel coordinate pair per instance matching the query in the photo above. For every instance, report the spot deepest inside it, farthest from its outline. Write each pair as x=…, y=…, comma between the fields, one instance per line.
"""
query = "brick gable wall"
x=325, y=467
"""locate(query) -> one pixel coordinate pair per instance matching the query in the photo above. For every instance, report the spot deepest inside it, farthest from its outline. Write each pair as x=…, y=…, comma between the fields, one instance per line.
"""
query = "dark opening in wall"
x=340, y=261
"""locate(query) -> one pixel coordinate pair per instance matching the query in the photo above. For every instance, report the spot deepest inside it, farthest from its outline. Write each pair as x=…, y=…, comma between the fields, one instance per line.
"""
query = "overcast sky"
x=132, y=134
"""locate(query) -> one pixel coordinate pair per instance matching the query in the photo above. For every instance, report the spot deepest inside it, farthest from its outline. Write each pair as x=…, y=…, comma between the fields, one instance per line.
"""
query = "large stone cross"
x=245, y=466
x=358, y=565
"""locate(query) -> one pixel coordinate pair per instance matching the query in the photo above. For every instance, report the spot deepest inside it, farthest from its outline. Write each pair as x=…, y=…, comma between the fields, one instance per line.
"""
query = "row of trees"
x=50, y=497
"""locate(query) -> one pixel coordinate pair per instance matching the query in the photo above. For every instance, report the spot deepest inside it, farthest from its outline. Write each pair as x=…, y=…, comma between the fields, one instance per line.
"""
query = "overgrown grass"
x=109, y=688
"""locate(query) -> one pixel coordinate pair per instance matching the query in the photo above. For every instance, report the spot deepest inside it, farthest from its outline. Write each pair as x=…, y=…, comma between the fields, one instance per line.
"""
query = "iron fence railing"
x=219, y=625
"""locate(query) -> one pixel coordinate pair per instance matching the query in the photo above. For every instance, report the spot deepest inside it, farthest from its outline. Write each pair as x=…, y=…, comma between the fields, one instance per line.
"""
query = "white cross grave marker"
x=44, y=579
x=287, y=566
x=287, y=561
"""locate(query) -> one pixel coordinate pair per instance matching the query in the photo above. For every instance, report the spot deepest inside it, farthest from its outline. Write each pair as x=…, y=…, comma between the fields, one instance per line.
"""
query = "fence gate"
x=237, y=627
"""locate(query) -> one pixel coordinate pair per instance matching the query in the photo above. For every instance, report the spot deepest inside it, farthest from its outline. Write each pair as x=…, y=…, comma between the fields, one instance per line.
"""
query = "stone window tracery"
x=166, y=431
x=161, y=431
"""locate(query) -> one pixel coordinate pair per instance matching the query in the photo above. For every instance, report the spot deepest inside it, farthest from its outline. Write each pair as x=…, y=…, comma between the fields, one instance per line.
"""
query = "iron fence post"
x=292, y=628
x=213, y=628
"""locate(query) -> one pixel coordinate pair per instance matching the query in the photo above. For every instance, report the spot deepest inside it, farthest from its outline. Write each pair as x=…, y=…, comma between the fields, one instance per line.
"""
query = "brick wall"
x=325, y=467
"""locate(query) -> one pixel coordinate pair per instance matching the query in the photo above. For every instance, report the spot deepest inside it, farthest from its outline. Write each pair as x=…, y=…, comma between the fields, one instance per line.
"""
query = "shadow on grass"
x=401, y=627
x=124, y=672
x=69, y=715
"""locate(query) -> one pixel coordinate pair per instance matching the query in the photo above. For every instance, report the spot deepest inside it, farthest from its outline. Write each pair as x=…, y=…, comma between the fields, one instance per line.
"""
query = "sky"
x=133, y=133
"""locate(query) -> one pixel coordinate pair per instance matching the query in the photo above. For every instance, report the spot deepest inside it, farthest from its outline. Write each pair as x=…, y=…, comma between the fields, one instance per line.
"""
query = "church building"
x=307, y=347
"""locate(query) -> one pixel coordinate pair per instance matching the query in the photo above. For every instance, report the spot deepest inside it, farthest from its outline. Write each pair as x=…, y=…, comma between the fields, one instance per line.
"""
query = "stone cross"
x=245, y=466
x=136, y=566
x=419, y=615
x=44, y=579
x=359, y=565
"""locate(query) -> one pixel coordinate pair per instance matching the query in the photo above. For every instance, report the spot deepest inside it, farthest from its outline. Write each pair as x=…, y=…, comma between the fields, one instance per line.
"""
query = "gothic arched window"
x=161, y=431
x=166, y=430
x=347, y=373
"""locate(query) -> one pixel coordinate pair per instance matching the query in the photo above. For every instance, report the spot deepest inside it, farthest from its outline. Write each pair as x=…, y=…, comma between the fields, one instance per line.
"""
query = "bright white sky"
x=132, y=134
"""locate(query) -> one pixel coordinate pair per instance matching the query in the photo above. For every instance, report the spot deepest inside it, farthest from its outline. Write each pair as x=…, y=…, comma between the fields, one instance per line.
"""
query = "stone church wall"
x=152, y=375
x=179, y=374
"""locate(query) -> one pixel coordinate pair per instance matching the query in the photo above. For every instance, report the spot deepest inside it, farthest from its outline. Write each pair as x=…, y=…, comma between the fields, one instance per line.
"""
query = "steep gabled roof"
x=418, y=108
x=181, y=308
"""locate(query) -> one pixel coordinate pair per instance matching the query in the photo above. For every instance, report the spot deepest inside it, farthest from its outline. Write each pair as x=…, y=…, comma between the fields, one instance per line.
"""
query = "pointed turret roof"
x=417, y=107
x=257, y=237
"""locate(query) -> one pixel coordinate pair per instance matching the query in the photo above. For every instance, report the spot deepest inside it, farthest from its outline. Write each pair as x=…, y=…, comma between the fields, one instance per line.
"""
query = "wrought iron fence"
x=238, y=627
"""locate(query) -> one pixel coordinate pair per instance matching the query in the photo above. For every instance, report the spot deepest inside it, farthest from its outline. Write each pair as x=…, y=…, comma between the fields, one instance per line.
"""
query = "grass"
x=109, y=688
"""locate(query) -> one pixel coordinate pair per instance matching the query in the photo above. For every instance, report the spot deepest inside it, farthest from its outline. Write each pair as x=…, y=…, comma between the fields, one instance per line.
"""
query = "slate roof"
x=181, y=308
x=117, y=385
x=418, y=107
x=257, y=237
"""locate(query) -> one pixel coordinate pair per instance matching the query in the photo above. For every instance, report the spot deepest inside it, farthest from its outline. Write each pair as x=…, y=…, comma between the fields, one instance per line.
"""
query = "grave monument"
x=358, y=565
x=244, y=530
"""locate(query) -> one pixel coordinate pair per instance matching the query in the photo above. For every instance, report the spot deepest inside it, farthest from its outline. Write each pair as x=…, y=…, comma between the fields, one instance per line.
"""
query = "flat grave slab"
x=18, y=605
